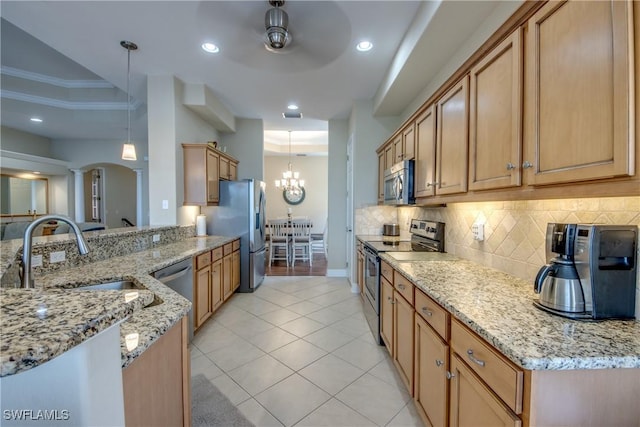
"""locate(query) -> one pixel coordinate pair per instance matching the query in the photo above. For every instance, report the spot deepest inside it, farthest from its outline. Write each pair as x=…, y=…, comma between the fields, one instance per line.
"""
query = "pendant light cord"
x=128, y=96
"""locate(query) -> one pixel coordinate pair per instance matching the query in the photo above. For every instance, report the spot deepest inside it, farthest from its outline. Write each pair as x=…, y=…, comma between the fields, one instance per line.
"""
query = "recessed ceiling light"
x=292, y=107
x=36, y=172
x=36, y=119
x=210, y=47
x=364, y=46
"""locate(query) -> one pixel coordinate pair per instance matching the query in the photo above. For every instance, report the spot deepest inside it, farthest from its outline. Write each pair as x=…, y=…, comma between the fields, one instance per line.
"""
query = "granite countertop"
x=499, y=307
x=28, y=340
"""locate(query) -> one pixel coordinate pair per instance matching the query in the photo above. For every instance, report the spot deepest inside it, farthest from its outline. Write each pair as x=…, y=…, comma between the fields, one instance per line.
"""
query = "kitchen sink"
x=120, y=285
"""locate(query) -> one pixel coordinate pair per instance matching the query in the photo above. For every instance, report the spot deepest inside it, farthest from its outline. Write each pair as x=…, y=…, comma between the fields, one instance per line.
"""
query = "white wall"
x=170, y=124
x=23, y=142
x=247, y=146
x=337, y=165
x=314, y=171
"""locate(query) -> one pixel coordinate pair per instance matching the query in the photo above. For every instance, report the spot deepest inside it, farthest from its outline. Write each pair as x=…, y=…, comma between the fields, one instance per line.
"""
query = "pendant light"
x=128, y=149
x=290, y=181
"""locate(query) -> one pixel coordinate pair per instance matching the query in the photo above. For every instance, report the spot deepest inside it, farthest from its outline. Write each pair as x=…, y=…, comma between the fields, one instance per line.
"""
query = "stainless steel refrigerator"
x=241, y=212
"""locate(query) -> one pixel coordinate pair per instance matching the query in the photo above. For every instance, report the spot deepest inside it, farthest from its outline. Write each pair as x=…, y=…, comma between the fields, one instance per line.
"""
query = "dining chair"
x=319, y=241
x=301, y=241
x=278, y=240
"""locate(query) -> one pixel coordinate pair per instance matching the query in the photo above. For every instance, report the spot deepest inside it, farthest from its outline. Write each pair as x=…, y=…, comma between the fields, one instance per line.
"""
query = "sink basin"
x=121, y=285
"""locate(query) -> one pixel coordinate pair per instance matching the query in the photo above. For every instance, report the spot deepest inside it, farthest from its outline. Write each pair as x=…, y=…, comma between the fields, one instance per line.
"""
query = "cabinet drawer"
x=433, y=314
x=216, y=254
x=236, y=245
x=203, y=260
x=504, y=378
x=227, y=249
x=386, y=271
x=403, y=286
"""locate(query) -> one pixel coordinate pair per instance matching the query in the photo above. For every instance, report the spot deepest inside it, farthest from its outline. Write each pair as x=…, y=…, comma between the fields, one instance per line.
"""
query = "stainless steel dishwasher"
x=179, y=278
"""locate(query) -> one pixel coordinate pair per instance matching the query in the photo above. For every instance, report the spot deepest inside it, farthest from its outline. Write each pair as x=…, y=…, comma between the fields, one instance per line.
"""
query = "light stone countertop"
x=499, y=307
x=72, y=317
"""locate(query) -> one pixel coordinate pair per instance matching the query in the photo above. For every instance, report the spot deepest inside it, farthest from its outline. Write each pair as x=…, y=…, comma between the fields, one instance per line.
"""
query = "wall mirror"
x=23, y=196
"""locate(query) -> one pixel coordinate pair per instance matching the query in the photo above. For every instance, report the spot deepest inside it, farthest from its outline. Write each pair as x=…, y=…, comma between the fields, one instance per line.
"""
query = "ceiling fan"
x=276, y=22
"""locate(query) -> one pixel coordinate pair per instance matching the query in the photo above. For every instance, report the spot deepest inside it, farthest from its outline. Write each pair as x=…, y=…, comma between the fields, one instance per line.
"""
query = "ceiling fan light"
x=276, y=22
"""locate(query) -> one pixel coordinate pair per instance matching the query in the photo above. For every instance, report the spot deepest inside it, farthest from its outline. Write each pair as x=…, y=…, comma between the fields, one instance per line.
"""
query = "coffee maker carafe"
x=558, y=282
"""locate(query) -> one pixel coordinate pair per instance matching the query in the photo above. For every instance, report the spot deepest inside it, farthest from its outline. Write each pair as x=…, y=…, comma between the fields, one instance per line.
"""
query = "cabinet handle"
x=510, y=166
x=401, y=286
x=450, y=375
x=474, y=359
x=427, y=312
x=527, y=165
x=439, y=363
x=391, y=300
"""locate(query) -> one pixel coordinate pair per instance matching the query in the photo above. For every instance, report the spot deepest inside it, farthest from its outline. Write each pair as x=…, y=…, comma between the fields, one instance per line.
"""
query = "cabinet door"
x=403, y=340
x=386, y=313
x=452, y=139
x=381, y=167
x=408, y=142
x=389, y=156
x=224, y=168
x=216, y=284
x=233, y=171
x=213, y=169
x=431, y=386
x=398, y=149
x=473, y=403
x=425, y=159
x=495, y=121
x=227, y=284
x=579, y=98
x=203, y=296
x=235, y=271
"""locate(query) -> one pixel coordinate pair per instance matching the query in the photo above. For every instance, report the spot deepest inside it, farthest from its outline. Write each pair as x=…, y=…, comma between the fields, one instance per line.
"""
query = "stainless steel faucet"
x=26, y=277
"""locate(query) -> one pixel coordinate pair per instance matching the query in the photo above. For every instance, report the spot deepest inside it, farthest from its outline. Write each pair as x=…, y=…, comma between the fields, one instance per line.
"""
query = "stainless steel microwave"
x=398, y=184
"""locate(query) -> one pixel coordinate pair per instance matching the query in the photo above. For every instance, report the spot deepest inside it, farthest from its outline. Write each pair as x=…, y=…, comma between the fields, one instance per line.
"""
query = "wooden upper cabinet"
x=228, y=168
x=389, y=155
x=203, y=169
x=495, y=120
x=397, y=149
x=425, y=158
x=381, y=168
x=213, y=176
x=453, y=139
x=408, y=142
x=579, y=98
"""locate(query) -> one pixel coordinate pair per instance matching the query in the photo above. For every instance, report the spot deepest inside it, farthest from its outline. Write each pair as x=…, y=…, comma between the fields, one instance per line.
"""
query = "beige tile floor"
x=298, y=352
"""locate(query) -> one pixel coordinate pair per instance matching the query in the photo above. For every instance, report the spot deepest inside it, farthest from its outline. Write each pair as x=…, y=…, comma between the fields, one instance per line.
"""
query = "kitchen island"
x=527, y=365
x=41, y=325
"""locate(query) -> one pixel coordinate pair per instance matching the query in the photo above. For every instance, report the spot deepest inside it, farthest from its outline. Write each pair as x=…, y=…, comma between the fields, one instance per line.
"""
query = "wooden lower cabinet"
x=473, y=404
x=386, y=313
x=202, y=301
x=226, y=277
x=431, y=385
x=156, y=386
x=235, y=270
x=216, y=285
x=403, y=339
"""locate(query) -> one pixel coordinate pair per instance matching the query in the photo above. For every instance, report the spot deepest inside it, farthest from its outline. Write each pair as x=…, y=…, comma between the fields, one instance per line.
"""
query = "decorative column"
x=138, y=196
x=78, y=175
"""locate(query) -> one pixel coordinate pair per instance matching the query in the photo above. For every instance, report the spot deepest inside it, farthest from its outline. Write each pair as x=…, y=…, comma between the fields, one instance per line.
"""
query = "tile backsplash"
x=514, y=231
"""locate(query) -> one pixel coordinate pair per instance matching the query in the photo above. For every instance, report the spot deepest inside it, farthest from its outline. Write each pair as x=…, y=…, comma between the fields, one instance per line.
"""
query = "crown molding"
x=67, y=105
x=55, y=81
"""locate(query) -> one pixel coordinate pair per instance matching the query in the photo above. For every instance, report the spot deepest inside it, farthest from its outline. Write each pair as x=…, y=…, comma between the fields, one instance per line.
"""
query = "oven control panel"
x=430, y=229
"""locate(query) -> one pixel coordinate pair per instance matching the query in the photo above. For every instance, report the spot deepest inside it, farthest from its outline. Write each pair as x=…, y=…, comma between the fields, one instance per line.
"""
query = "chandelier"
x=290, y=182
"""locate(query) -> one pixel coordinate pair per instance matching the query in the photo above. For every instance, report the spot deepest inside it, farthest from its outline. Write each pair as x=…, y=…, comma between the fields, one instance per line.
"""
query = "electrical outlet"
x=57, y=256
x=156, y=238
x=477, y=229
x=165, y=204
x=36, y=261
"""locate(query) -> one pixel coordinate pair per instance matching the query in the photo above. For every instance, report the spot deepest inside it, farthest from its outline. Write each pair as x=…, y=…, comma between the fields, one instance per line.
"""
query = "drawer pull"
x=401, y=286
x=439, y=363
x=450, y=375
x=391, y=300
x=427, y=312
x=474, y=359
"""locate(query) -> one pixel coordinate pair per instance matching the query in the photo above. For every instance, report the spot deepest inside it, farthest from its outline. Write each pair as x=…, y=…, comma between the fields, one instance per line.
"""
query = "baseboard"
x=337, y=272
x=354, y=288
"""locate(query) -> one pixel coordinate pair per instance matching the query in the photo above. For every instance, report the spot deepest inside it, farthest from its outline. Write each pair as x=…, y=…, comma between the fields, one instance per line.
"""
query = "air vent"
x=292, y=115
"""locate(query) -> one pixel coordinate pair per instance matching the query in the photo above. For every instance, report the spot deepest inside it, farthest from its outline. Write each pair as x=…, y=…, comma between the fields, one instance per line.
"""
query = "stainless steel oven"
x=426, y=236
